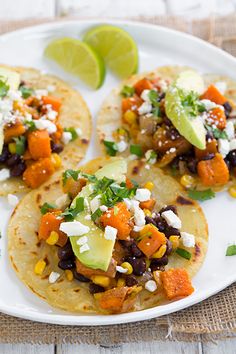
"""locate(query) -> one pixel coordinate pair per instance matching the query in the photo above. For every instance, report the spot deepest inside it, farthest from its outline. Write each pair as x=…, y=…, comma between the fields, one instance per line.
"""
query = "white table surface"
x=19, y=9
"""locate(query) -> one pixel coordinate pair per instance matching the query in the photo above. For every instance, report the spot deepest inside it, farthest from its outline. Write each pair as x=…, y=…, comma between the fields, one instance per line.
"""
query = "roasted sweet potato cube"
x=176, y=283
x=39, y=144
x=38, y=172
x=152, y=240
x=213, y=172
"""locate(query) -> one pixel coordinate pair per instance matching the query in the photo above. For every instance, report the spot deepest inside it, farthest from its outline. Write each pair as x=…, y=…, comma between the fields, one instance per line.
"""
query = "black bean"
x=126, y=244
x=158, y=263
x=150, y=220
x=57, y=148
x=130, y=280
x=65, y=252
x=94, y=288
x=138, y=264
x=169, y=207
x=18, y=169
x=168, y=248
x=227, y=162
x=209, y=135
x=13, y=160
x=232, y=158
x=66, y=264
x=160, y=223
x=5, y=154
x=192, y=165
x=167, y=121
x=80, y=277
x=228, y=109
x=169, y=231
x=161, y=96
x=209, y=156
x=135, y=251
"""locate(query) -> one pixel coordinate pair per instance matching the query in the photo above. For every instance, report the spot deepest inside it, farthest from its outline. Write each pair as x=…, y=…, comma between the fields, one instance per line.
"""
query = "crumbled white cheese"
x=53, y=277
x=74, y=228
x=110, y=233
x=121, y=269
x=62, y=201
x=145, y=96
x=172, y=219
x=187, y=239
x=78, y=131
x=151, y=157
x=51, y=114
x=4, y=174
x=151, y=286
x=42, y=124
x=66, y=137
x=14, y=95
x=208, y=104
x=121, y=146
x=82, y=240
x=221, y=86
x=230, y=129
x=127, y=203
x=139, y=216
x=142, y=194
x=137, y=228
x=12, y=199
x=95, y=203
x=232, y=144
x=103, y=208
x=84, y=248
x=145, y=107
x=223, y=147
x=132, y=157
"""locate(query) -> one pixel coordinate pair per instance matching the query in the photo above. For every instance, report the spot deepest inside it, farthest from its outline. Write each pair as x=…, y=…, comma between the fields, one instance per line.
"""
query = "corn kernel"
x=147, y=212
x=120, y=282
x=232, y=191
x=149, y=185
x=101, y=280
x=12, y=148
x=188, y=181
x=157, y=276
x=135, y=290
x=53, y=238
x=130, y=117
x=145, y=231
x=56, y=160
x=160, y=252
x=39, y=267
x=69, y=274
x=127, y=266
x=174, y=239
x=97, y=296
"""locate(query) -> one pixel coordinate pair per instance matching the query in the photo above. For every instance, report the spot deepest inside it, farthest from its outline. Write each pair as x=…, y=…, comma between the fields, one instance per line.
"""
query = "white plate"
x=157, y=46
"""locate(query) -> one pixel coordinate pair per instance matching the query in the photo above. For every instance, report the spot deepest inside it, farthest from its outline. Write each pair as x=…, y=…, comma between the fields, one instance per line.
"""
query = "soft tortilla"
x=25, y=249
x=74, y=113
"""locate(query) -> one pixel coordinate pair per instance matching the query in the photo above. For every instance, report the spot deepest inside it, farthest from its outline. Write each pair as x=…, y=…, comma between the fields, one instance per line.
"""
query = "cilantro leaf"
x=70, y=174
x=4, y=88
x=127, y=91
x=201, y=195
x=111, y=147
x=183, y=253
x=191, y=102
x=231, y=250
x=71, y=212
x=20, y=145
x=46, y=207
x=96, y=214
x=154, y=98
x=73, y=132
x=90, y=178
x=30, y=125
x=26, y=91
x=136, y=149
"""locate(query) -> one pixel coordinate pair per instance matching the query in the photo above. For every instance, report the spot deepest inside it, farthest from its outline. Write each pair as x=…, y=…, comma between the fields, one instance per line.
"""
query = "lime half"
x=79, y=59
x=116, y=46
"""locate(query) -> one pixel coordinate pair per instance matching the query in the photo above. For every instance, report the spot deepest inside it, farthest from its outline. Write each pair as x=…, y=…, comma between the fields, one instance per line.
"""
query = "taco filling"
x=182, y=124
x=111, y=235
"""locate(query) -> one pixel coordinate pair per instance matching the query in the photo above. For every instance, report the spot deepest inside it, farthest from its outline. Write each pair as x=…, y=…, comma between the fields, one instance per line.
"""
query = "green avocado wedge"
x=100, y=249
x=181, y=104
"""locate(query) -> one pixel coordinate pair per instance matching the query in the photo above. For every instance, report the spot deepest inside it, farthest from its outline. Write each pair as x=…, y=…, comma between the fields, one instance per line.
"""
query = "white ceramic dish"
x=157, y=46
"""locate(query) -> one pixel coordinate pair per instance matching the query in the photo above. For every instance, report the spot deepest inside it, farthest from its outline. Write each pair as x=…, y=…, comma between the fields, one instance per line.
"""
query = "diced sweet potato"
x=89, y=272
x=13, y=131
x=131, y=103
x=152, y=240
x=119, y=218
x=50, y=222
x=113, y=299
x=73, y=187
x=213, y=94
x=143, y=84
x=129, y=183
x=211, y=148
x=38, y=172
x=217, y=116
x=56, y=137
x=149, y=204
x=55, y=102
x=176, y=283
x=39, y=144
x=213, y=172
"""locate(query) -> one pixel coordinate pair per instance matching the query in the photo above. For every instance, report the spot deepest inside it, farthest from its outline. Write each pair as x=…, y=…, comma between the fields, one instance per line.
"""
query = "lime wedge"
x=77, y=58
x=116, y=46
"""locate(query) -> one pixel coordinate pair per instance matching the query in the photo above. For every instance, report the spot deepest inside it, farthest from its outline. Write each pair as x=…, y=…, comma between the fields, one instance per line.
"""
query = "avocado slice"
x=191, y=127
x=13, y=80
x=100, y=253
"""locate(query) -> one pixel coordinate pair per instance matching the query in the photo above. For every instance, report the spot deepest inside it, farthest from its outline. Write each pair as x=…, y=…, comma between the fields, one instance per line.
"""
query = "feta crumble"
x=53, y=277
x=110, y=233
x=223, y=147
x=4, y=174
x=142, y=194
x=121, y=269
x=146, y=107
x=151, y=156
x=66, y=137
x=82, y=240
x=151, y=286
x=103, y=208
x=172, y=219
x=42, y=124
x=187, y=239
x=95, y=203
x=12, y=199
x=230, y=130
x=145, y=96
x=208, y=104
x=74, y=228
x=121, y=146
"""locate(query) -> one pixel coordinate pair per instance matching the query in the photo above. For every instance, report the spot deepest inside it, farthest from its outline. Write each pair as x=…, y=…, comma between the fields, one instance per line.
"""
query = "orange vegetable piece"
x=48, y=223
x=214, y=171
x=38, y=172
x=56, y=137
x=119, y=218
x=27, y=155
x=153, y=239
x=176, y=283
x=131, y=103
x=143, y=84
x=211, y=148
x=129, y=183
x=55, y=102
x=12, y=131
x=213, y=94
x=39, y=144
x=149, y=204
x=89, y=272
x=217, y=116
x=113, y=299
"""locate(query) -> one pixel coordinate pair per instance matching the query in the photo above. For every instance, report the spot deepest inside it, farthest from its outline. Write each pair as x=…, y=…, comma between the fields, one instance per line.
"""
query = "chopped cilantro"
x=73, y=133
x=201, y=195
x=111, y=147
x=26, y=91
x=46, y=207
x=153, y=96
x=71, y=212
x=136, y=150
x=219, y=134
x=191, y=102
x=70, y=174
x=127, y=91
x=96, y=214
x=183, y=253
x=231, y=250
x=30, y=125
x=20, y=145
x=4, y=88
x=90, y=178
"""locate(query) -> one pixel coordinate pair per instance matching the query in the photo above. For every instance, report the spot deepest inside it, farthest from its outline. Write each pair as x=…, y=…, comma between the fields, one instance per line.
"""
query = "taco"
x=177, y=119
x=44, y=124
x=139, y=239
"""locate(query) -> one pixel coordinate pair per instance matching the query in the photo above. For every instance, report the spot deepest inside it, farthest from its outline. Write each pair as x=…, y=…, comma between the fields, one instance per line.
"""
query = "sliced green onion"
x=183, y=253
